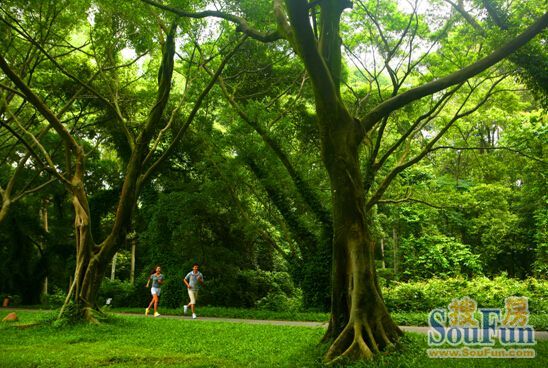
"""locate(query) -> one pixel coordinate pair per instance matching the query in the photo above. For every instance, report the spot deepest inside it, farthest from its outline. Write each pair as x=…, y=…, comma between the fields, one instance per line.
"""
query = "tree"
x=472, y=187
x=135, y=133
x=360, y=324
x=301, y=206
x=531, y=59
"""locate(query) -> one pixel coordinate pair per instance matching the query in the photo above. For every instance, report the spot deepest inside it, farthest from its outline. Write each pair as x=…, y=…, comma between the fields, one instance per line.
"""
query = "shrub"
x=173, y=293
x=437, y=255
x=425, y=295
x=279, y=302
x=247, y=288
x=54, y=299
x=121, y=293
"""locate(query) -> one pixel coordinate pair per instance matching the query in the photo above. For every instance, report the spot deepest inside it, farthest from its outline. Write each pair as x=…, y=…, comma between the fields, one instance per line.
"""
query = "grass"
x=539, y=321
x=135, y=341
x=224, y=312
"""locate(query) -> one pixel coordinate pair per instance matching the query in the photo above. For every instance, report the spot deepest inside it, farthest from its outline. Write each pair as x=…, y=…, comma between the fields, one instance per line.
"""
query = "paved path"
x=539, y=335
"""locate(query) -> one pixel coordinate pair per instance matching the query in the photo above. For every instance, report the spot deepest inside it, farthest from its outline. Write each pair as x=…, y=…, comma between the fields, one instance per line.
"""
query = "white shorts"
x=193, y=295
x=155, y=291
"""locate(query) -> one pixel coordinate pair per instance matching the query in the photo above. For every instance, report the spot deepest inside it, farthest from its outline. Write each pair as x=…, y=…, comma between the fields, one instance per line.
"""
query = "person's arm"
x=148, y=281
x=161, y=279
x=201, y=279
x=186, y=283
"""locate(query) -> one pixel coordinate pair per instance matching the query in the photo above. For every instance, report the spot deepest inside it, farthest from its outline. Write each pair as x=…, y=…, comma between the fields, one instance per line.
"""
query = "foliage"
x=224, y=199
x=437, y=293
x=123, y=294
x=250, y=288
x=53, y=299
x=279, y=301
x=437, y=255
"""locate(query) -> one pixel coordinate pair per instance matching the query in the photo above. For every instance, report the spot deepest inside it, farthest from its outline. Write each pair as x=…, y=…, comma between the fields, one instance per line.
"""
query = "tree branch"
x=412, y=200
x=491, y=148
x=33, y=153
x=305, y=191
x=494, y=13
x=241, y=23
x=439, y=104
x=457, y=77
x=61, y=69
x=190, y=118
x=40, y=106
x=392, y=175
x=466, y=15
x=32, y=190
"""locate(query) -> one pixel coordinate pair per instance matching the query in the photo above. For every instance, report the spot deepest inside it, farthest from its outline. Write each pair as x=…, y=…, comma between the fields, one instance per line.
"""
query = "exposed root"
x=342, y=340
x=371, y=338
x=358, y=350
x=361, y=340
x=384, y=337
x=351, y=344
x=90, y=315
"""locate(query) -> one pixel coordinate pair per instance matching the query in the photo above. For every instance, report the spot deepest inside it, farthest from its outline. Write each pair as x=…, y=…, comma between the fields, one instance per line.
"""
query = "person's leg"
x=192, y=296
x=155, y=300
x=191, y=301
x=194, y=299
x=149, y=305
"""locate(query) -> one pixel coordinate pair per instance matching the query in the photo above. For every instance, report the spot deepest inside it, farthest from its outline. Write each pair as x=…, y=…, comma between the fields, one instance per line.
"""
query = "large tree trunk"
x=360, y=324
x=89, y=271
x=91, y=258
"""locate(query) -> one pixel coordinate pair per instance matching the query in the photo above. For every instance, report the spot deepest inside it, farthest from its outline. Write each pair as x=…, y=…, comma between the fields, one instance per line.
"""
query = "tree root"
x=360, y=340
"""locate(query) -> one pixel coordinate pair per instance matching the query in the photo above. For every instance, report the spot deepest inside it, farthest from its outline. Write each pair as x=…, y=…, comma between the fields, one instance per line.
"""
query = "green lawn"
x=135, y=341
x=539, y=321
x=224, y=312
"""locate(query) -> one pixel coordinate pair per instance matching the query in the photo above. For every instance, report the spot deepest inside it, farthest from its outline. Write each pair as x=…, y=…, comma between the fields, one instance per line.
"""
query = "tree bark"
x=113, y=267
x=360, y=325
x=133, y=250
x=395, y=251
x=382, y=253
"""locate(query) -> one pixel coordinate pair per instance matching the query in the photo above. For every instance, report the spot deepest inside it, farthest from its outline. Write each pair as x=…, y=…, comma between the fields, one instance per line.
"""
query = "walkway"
x=539, y=335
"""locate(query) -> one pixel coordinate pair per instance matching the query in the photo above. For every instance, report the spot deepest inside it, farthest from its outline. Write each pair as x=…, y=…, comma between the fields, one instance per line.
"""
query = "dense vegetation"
x=150, y=135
